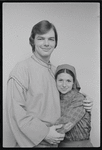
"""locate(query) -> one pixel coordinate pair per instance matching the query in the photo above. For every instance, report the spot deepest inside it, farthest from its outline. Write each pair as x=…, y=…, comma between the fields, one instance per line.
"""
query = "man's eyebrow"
x=44, y=37
x=39, y=36
x=52, y=37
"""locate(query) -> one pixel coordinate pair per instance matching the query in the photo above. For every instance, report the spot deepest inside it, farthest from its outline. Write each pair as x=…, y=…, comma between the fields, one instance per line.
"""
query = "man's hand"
x=53, y=136
x=88, y=103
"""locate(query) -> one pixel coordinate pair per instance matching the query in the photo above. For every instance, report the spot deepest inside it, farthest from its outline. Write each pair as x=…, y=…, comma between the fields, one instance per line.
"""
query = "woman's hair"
x=65, y=71
x=41, y=28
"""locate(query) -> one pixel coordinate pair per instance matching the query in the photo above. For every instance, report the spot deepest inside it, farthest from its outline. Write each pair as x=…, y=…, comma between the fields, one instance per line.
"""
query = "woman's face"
x=64, y=82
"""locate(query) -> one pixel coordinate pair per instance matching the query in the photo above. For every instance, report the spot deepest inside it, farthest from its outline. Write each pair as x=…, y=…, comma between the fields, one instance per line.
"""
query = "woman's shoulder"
x=79, y=96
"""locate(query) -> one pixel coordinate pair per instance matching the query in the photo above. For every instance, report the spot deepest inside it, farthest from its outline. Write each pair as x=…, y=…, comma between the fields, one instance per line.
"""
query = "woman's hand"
x=87, y=103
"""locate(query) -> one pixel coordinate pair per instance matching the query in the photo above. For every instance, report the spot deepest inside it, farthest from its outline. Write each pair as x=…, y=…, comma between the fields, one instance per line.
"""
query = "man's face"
x=44, y=44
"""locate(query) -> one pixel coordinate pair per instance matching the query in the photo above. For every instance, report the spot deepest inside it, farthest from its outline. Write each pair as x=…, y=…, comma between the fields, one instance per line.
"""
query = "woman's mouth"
x=63, y=89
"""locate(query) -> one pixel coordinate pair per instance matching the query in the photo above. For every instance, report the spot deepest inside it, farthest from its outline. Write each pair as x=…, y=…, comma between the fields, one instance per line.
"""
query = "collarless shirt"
x=32, y=101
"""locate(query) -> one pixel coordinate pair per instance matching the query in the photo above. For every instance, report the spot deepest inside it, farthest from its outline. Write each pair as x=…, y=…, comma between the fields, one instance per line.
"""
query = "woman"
x=75, y=119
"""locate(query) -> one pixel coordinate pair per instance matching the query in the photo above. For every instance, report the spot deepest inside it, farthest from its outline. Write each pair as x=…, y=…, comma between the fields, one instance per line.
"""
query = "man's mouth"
x=46, y=49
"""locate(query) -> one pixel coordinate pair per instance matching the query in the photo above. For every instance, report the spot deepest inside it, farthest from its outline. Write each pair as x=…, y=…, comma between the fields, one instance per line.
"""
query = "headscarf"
x=71, y=68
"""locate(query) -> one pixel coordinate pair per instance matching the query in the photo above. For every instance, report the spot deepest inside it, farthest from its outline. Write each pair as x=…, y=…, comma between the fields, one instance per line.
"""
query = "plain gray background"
x=78, y=29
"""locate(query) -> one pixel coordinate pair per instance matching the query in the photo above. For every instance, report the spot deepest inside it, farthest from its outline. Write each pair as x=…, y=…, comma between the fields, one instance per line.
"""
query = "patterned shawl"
x=72, y=110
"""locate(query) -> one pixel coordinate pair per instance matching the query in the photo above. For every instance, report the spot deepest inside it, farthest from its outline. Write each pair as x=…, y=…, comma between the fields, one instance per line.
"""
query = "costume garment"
x=76, y=120
x=73, y=113
x=72, y=110
x=32, y=101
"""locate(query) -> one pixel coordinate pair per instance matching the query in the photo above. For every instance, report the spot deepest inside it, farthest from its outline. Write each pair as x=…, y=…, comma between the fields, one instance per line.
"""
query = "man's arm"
x=28, y=124
x=87, y=103
x=31, y=127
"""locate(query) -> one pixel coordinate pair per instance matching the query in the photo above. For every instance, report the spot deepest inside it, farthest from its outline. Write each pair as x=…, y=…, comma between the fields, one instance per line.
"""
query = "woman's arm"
x=81, y=131
x=71, y=114
x=70, y=119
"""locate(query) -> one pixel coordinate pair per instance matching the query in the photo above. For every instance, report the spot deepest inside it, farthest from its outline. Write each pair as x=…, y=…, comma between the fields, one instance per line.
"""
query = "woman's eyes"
x=60, y=80
x=66, y=80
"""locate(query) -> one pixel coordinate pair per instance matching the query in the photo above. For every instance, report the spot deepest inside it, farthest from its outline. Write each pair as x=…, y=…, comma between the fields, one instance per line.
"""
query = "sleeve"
x=29, y=126
x=81, y=130
x=71, y=115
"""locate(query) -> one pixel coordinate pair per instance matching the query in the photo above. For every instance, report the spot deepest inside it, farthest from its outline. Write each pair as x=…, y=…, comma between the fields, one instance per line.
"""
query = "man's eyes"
x=44, y=39
x=52, y=39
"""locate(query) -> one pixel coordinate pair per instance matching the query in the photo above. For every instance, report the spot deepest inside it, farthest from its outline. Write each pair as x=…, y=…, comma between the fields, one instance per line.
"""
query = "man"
x=33, y=104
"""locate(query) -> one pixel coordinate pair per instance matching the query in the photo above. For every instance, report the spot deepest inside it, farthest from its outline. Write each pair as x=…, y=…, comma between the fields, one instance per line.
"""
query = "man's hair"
x=41, y=28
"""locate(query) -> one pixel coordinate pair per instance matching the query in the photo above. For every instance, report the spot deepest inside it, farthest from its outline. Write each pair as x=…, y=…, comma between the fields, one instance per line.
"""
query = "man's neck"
x=45, y=59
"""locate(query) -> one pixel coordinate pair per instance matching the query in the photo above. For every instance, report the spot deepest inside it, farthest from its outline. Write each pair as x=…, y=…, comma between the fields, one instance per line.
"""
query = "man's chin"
x=46, y=54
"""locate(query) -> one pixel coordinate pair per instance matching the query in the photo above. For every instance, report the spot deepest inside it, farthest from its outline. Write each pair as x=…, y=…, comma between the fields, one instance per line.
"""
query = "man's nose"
x=46, y=42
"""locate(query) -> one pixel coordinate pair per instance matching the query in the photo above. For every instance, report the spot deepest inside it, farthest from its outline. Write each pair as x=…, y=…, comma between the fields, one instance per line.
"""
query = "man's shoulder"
x=21, y=66
x=20, y=73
